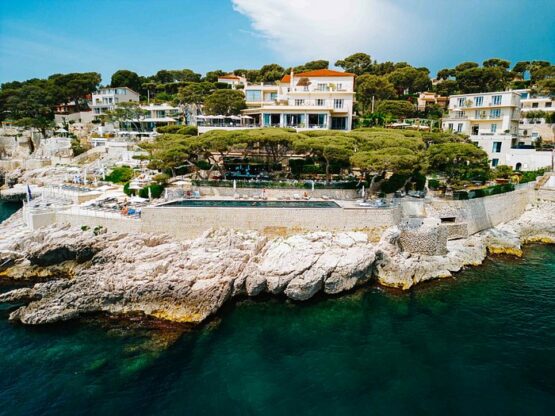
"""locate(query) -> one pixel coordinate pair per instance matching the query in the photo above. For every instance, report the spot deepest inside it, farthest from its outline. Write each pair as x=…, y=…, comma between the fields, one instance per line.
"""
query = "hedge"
x=480, y=193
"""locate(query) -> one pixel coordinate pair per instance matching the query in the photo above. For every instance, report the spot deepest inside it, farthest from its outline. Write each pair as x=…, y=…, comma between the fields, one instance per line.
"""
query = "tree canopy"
x=225, y=102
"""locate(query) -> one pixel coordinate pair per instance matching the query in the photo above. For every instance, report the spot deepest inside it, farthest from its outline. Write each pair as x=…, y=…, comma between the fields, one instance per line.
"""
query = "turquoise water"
x=481, y=344
x=7, y=209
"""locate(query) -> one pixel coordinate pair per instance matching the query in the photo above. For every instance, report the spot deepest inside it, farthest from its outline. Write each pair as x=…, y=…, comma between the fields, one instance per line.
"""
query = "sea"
x=482, y=343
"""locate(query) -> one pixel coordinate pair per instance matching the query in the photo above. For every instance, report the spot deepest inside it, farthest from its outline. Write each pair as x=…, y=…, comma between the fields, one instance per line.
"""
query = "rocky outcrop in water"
x=189, y=281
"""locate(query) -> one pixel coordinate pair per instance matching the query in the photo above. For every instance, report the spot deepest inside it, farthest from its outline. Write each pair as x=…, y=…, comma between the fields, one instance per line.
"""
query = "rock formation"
x=187, y=281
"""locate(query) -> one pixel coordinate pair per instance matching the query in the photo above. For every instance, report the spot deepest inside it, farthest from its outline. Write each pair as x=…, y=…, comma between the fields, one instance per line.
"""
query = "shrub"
x=394, y=183
x=433, y=184
x=120, y=174
x=188, y=130
x=126, y=189
x=155, y=189
x=313, y=169
x=296, y=166
x=419, y=181
x=171, y=129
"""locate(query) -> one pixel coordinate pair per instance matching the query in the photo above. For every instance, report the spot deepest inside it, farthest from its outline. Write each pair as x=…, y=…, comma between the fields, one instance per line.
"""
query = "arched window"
x=518, y=166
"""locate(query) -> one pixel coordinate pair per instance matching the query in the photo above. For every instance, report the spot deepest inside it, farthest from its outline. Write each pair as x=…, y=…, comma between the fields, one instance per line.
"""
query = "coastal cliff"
x=82, y=272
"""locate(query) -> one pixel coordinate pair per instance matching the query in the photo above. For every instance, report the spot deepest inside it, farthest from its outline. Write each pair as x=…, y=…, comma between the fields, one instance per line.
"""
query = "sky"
x=43, y=37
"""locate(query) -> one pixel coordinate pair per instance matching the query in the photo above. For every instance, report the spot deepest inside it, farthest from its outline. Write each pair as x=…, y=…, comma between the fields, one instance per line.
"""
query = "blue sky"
x=39, y=38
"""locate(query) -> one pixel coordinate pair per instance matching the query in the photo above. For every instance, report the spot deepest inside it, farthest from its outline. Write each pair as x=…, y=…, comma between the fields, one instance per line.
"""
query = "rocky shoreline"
x=84, y=272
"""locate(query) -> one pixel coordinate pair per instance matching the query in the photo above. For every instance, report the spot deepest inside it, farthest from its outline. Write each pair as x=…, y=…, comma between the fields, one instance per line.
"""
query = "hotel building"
x=320, y=99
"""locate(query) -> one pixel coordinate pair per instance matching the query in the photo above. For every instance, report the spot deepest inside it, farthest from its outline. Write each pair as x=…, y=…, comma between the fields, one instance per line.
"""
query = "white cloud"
x=327, y=29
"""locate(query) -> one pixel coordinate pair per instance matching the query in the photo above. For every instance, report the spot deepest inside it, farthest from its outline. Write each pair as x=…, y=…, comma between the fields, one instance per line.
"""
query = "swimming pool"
x=250, y=204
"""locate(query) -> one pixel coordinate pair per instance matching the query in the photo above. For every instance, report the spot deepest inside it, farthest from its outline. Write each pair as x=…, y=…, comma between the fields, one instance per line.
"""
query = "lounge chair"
x=296, y=196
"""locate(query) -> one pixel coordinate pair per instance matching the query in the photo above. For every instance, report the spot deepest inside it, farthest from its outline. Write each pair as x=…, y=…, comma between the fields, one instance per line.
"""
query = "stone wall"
x=120, y=225
x=487, y=212
x=190, y=222
x=423, y=236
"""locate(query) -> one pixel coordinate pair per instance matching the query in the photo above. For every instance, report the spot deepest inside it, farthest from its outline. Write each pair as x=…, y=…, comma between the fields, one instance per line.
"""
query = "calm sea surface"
x=483, y=344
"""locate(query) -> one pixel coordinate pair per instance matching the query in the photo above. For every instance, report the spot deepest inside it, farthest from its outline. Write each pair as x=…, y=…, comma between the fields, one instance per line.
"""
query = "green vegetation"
x=121, y=174
x=481, y=192
x=401, y=156
x=225, y=102
x=531, y=176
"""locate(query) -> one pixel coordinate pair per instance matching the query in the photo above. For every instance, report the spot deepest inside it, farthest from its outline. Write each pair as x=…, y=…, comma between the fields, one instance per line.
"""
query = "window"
x=494, y=162
x=493, y=128
x=475, y=130
x=459, y=127
x=321, y=87
x=535, y=105
x=339, y=87
x=548, y=104
x=460, y=102
x=495, y=113
x=496, y=100
x=338, y=103
x=253, y=95
x=496, y=148
x=299, y=101
x=450, y=126
x=460, y=114
x=478, y=101
x=320, y=102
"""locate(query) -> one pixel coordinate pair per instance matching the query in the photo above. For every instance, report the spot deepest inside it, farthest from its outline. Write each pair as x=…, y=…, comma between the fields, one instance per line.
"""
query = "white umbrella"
x=312, y=186
x=61, y=130
x=235, y=117
x=137, y=199
x=248, y=117
x=85, y=177
x=149, y=194
x=234, y=185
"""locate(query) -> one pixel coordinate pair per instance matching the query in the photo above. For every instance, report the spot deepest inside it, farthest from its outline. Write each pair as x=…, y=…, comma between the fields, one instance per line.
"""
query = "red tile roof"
x=318, y=73
x=229, y=76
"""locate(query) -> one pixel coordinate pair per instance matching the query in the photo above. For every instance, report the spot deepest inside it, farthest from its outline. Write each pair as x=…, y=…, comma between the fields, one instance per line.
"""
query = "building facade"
x=532, y=124
x=105, y=99
x=234, y=81
x=491, y=120
x=320, y=99
x=426, y=99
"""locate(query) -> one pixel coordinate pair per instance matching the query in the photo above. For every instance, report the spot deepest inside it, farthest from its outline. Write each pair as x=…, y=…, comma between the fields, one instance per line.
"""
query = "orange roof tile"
x=318, y=73
x=229, y=76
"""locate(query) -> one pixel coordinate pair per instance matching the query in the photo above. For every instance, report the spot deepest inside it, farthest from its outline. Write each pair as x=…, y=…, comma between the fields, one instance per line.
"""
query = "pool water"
x=250, y=204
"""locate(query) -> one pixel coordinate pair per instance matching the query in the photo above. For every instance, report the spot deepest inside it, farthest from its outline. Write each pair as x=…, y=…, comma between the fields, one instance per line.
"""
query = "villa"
x=157, y=115
x=320, y=99
x=105, y=99
x=492, y=122
x=235, y=81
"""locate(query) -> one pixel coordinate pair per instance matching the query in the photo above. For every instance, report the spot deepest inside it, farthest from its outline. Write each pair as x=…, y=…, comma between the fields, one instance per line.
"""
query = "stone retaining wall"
x=487, y=212
x=120, y=225
x=190, y=222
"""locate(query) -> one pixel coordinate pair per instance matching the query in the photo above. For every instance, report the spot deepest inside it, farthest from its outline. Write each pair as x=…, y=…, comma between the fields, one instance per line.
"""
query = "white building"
x=320, y=99
x=156, y=115
x=105, y=99
x=532, y=126
x=233, y=80
x=490, y=119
